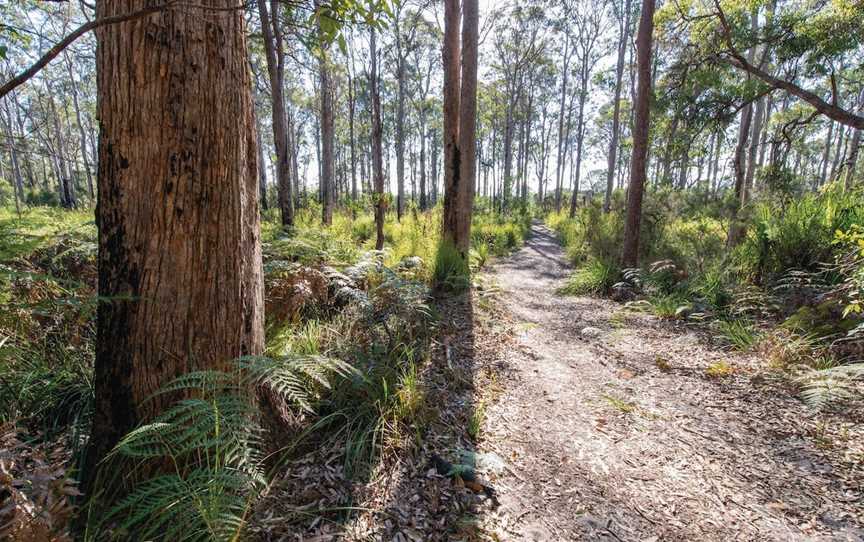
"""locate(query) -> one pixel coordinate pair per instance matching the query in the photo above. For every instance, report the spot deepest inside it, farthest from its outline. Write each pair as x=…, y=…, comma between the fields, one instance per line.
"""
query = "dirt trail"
x=611, y=429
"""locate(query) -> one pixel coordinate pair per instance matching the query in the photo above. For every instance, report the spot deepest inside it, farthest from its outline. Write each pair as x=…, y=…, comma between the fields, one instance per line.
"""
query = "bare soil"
x=613, y=429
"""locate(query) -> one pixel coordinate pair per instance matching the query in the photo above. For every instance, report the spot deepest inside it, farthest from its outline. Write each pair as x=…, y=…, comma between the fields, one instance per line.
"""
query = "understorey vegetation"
x=348, y=329
x=790, y=291
x=242, y=252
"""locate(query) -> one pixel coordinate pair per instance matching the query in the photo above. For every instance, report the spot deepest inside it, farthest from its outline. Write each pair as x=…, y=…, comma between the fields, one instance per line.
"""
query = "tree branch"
x=831, y=111
x=21, y=78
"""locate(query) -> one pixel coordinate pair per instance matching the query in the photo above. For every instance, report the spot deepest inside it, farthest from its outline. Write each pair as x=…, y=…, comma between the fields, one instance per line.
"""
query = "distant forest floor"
x=594, y=422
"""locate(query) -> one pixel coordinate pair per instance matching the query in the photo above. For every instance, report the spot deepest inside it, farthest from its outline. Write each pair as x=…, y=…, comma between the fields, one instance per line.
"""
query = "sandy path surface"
x=612, y=430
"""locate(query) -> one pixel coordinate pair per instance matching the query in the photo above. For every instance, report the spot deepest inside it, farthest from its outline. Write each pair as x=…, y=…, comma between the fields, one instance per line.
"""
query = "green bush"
x=797, y=234
x=452, y=271
x=595, y=277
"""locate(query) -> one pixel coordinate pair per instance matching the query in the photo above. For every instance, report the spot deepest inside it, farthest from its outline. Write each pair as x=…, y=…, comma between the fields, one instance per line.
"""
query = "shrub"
x=451, y=271
x=797, y=234
x=738, y=334
x=595, y=277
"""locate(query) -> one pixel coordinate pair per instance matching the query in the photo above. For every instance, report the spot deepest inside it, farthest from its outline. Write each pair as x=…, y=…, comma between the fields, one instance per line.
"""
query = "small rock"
x=591, y=332
x=622, y=292
x=490, y=462
x=411, y=262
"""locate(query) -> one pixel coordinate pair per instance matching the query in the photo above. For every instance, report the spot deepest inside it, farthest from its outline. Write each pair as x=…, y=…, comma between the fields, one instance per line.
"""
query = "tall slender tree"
x=638, y=159
x=460, y=121
x=328, y=135
x=379, y=198
x=623, y=39
x=274, y=50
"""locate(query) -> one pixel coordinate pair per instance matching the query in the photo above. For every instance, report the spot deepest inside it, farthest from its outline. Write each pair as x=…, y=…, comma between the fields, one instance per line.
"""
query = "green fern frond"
x=823, y=388
x=212, y=437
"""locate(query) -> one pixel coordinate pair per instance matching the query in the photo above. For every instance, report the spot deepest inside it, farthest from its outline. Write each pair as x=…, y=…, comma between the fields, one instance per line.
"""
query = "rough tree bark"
x=630, y=256
x=450, y=57
x=460, y=121
x=461, y=223
x=180, y=273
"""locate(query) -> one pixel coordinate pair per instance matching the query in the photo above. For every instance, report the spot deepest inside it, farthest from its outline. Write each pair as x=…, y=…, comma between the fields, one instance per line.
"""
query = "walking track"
x=612, y=429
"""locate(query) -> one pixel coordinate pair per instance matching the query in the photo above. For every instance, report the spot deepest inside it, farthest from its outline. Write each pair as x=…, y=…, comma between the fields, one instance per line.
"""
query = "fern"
x=823, y=388
x=206, y=450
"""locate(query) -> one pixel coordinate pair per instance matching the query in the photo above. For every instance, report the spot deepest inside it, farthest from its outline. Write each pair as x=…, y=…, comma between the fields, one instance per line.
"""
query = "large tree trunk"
x=180, y=273
x=377, y=147
x=460, y=223
x=630, y=257
x=623, y=37
x=460, y=122
x=275, y=54
x=450, y=57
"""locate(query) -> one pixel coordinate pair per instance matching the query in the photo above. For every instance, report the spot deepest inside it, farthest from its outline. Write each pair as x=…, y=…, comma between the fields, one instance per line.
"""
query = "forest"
x=421, y=270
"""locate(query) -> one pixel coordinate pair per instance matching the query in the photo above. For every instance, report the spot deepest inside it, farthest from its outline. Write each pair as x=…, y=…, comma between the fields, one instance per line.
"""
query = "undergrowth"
x=799, y=271
x=348, y=332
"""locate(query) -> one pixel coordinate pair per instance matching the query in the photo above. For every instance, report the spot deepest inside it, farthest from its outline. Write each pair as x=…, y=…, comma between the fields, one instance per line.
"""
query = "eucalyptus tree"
x=324, y=18
x=425, y=60
x=541, y=145
x=622, y=14
x=638, y=165
x=274, y=49
x=519, y=42
x=460, y=59
x=590, y=22
x=194, y=299
x=404, y=24
x=379, y=199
